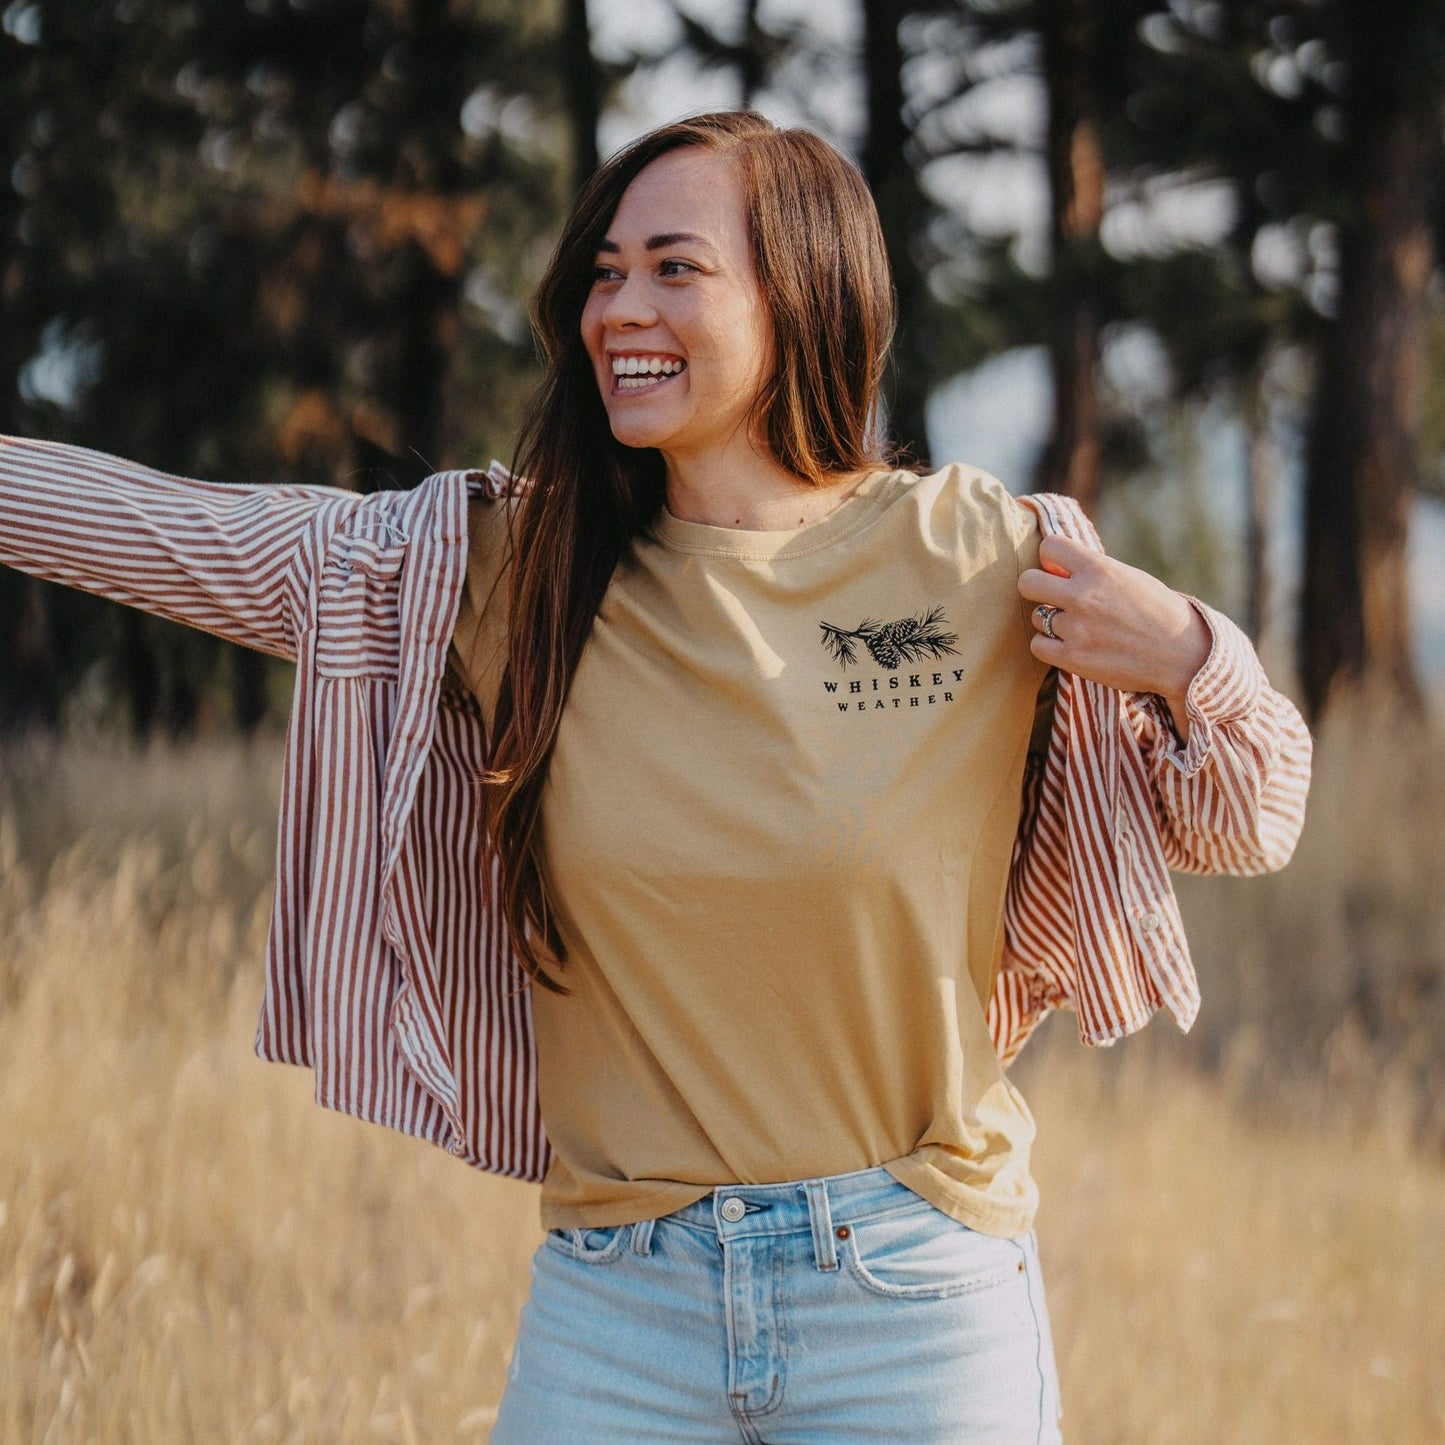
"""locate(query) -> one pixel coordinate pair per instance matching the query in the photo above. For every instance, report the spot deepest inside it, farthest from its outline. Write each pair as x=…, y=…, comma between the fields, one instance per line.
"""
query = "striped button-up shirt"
x=389, y=968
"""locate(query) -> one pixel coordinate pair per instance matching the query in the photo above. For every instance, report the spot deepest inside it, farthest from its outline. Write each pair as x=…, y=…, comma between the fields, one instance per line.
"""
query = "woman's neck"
x=750, y=492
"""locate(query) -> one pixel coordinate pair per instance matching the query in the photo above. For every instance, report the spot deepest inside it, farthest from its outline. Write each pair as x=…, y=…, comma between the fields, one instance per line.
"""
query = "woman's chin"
x=634, y=432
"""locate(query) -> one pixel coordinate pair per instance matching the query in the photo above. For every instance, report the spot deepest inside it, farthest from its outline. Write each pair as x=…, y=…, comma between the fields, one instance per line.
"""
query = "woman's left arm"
x=1228, y=755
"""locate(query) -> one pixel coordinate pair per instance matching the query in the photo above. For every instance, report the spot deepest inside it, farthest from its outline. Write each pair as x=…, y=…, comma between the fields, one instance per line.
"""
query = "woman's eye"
x=604, y=273
x=674, y=268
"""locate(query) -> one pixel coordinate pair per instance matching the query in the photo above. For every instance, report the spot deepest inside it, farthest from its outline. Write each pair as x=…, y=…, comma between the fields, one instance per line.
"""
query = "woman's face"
x=675, y=323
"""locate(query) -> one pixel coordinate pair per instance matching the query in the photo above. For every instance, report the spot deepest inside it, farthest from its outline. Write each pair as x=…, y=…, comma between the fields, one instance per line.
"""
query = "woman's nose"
x=628, y=305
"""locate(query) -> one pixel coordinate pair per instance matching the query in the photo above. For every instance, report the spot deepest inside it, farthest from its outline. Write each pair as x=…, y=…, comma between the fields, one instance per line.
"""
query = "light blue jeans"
x=823, y=1311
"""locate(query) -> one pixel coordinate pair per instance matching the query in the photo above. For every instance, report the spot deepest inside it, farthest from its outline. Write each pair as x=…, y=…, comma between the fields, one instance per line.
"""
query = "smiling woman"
x=796, y=815
x=761, y=851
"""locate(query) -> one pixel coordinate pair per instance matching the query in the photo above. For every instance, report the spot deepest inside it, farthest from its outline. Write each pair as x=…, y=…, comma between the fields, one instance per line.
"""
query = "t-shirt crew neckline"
x=854, y=511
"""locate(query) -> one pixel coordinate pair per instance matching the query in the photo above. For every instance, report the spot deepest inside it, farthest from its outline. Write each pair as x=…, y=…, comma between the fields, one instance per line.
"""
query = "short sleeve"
x=1023, y=524
x=1024, y=533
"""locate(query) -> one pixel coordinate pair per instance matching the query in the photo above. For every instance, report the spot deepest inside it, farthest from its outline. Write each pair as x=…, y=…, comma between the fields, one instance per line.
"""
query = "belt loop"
x=821, y=1218
x=642, y=1236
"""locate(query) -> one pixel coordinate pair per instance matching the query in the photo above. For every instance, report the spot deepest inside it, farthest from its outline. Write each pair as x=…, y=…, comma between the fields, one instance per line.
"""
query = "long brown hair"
x=821, y=265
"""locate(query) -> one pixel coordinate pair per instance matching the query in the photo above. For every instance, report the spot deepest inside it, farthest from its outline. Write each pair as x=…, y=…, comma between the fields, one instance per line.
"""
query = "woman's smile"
x=636, y=373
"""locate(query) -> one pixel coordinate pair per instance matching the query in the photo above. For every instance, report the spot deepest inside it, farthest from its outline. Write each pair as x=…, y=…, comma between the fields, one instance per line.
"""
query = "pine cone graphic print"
x=890, y=644
x=884, y=644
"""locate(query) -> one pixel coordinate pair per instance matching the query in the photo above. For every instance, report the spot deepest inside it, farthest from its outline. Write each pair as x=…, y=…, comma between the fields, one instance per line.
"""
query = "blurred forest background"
x=294, y=240
x=1183, y=259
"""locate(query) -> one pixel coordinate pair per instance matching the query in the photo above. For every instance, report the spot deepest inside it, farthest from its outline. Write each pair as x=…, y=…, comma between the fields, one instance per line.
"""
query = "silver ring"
x=1046, y=615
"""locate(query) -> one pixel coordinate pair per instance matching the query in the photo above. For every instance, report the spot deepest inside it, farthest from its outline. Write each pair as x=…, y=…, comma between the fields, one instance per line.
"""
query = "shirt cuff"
x=1226, y=686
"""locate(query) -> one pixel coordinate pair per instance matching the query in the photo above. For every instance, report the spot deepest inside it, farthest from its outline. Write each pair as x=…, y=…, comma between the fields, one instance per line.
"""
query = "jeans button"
x=733, y=1209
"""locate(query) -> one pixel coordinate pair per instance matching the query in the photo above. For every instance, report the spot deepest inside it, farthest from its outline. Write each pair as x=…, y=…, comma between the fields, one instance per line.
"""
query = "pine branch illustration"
x=839, y=643
x=890, y=643
x=920, y=637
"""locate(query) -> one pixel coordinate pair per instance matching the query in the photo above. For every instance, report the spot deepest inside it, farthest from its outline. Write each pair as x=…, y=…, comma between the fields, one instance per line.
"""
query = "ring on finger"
x=1046, y=615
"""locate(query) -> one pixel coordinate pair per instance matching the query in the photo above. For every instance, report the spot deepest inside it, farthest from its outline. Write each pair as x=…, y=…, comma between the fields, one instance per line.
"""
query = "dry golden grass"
x=190, y=1250
x=1216, y=1279
x=1334, y=969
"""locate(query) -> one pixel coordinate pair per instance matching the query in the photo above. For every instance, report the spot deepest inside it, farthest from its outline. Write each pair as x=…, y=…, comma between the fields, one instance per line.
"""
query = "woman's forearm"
x=212, y=556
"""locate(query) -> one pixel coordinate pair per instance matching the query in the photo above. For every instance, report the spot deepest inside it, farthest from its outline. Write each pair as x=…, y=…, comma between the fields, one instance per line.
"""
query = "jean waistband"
x=819, y=1206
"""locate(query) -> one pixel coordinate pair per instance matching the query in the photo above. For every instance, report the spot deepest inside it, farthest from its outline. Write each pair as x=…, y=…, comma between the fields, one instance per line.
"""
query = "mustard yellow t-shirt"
x=777, y=830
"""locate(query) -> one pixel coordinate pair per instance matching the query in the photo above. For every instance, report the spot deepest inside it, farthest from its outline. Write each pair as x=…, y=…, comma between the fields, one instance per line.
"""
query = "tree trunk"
x=901, y=206
x=427, y=335
x=1259, y=501
x=140, y=675
x=751, y=60
x=431, y=297
x=579, y=90
x=29, y=680
x=1361, y=452
x=181, y=708
x=1070, y=461
x=1253, y=368
x=249, y=703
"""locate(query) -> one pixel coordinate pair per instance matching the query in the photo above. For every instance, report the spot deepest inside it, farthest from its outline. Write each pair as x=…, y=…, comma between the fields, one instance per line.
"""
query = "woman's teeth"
x=631, y=373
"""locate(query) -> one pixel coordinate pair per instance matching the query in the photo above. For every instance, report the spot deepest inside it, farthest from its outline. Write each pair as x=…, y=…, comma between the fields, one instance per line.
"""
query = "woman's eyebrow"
x=659, y=242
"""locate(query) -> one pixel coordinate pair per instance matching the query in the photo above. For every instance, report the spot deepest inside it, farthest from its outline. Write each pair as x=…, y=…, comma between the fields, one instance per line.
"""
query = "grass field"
x=190, y=1250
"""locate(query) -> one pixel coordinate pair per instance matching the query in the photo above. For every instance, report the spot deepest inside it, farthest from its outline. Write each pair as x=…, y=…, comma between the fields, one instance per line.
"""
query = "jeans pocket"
x=923, y=1253
x=592, y=1246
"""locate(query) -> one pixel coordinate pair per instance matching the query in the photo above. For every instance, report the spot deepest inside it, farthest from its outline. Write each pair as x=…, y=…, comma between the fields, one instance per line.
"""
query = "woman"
x=809, y=786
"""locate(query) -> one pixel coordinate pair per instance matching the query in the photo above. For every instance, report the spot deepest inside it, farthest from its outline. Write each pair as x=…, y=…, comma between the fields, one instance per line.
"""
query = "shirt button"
x=1149, y=922
x=733, y=1209
x=457, y=1146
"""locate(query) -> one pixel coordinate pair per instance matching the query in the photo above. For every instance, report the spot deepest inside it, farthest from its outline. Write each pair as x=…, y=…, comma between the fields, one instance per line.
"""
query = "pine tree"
x=294, y=241
x=1362, y=450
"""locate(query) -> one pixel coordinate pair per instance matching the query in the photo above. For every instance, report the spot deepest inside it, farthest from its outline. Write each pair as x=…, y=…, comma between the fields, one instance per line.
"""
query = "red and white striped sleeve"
x=218, y=557
x=1231, y=799
x=1094, y=926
